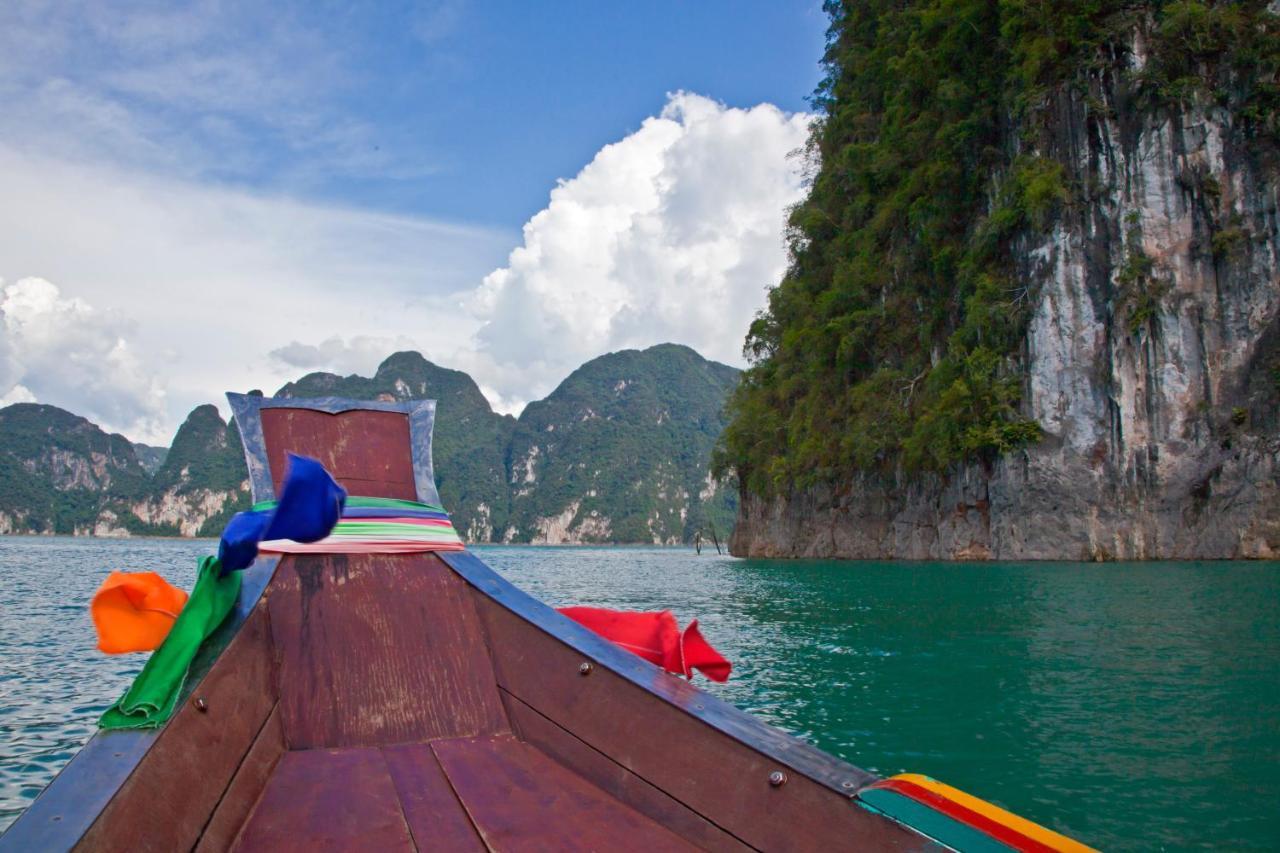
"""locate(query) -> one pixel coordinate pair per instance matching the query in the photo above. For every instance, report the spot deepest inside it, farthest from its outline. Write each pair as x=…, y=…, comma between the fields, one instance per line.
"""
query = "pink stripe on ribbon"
x=358, y=546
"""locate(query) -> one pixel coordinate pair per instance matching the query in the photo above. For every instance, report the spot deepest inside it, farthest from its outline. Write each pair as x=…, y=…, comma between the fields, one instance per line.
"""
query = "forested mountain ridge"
x=1033, y=303
x=57, y=470
x=60, y=473
x=618, y=453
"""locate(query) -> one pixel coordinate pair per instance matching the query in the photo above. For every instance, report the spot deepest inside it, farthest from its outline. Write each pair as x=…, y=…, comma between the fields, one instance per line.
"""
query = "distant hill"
x=619, y=452
x=203, y=481
x=149, y=457
x=59, y=471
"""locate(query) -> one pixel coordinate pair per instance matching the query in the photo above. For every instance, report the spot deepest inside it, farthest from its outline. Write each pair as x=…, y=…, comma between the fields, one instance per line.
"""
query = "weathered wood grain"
x=719, y=778
x=379, y=649
x=616, y=780
x=367, y=452
x=166, y=802
x=436, y=819
x=521, y=800
x=822, y=768
x=327, y=799
x=245, y=788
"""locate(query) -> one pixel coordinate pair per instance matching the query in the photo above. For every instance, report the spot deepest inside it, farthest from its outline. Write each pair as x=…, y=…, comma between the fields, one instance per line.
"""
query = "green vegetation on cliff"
x=894, y=342
x=56, y=467
x=620, y=450
x=206, y=457
x=206, y=454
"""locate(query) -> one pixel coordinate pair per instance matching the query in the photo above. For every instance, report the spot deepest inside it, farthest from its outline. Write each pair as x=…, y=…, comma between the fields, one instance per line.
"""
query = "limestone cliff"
x=200, y=484
x=1150, y=359
x=619, y=451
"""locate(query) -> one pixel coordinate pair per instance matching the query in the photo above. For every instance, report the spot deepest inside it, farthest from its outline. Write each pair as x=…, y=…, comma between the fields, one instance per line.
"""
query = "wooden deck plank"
x=328, y=799
x=166, y=802
x=616, y=780
x=520, y=799
x=379, y=649
x=246, y=786
x=436, y=818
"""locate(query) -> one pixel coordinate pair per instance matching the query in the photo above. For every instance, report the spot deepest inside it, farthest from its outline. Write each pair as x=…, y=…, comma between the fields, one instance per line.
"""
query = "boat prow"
x=388, y=701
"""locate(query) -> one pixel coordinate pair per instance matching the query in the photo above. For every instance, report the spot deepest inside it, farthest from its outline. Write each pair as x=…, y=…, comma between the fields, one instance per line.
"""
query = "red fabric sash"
x=657, y=638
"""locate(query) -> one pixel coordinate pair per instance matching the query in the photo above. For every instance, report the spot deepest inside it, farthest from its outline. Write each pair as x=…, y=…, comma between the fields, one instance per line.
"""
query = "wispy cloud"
x=188, y=183
x=212, y=280
x=360, y=354
x=232, y=90
x=66, y=349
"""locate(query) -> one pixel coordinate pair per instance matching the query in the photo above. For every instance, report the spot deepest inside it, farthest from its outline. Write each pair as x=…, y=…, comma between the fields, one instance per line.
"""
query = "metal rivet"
x=585, y=668
x=201, y=705
x=846, y=785
x=777, y=778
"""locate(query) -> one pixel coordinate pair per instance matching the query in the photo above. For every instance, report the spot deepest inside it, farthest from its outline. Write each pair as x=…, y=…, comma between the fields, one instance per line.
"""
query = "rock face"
x=1152, y=363
x=203, y=480
x=619, y=452
x=60, y=473
x=56, y=469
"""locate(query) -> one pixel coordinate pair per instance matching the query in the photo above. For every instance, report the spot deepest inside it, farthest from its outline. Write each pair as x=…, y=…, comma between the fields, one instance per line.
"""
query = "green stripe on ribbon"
x=354, y=501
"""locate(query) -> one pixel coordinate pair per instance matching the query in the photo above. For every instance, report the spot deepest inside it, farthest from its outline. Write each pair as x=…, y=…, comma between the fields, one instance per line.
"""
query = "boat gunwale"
x=787, y=750
x=85, y=786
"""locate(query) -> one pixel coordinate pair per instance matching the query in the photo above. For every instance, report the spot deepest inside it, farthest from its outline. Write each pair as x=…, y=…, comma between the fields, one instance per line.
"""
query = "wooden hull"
x=420, y=701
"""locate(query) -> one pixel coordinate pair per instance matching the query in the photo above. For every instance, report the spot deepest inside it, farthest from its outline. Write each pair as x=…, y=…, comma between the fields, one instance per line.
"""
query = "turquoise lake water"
x=1133, y=706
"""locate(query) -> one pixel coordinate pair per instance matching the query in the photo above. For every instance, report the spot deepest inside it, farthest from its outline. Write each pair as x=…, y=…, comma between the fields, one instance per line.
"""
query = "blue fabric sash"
x=310, y=504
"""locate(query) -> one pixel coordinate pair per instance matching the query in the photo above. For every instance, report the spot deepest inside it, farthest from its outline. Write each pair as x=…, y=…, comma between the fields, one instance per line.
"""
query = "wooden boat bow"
x=414, y=701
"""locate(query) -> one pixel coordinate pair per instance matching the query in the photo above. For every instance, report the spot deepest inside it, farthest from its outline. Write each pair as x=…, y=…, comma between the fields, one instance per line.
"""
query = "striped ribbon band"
x=377, y=526
x=363, y=503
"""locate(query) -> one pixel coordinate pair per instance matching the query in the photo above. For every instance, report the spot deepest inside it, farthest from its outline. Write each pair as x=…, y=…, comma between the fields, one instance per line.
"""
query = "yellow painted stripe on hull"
x=1020, y=824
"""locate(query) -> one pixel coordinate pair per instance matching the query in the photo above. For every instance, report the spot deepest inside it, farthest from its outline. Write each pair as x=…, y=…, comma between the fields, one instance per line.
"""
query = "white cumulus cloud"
x=64, y=351
x=671, y=234
x=170, y=291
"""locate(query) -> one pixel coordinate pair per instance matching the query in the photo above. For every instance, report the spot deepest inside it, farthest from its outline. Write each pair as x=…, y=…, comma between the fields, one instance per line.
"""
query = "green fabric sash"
x=151, y=698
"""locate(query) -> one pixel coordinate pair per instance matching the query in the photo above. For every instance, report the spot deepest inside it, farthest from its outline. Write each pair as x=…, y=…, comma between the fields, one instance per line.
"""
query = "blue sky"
x=382, y=176
x=498, y=102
